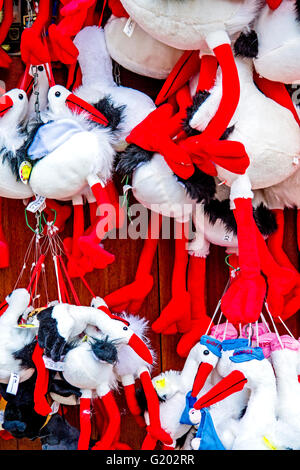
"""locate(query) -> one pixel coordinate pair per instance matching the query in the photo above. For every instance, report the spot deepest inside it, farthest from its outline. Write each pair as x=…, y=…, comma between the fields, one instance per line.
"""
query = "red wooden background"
x=122, y=271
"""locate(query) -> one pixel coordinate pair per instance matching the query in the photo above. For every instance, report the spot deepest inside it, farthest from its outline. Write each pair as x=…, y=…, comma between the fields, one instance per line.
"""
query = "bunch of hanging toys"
x=216, y=152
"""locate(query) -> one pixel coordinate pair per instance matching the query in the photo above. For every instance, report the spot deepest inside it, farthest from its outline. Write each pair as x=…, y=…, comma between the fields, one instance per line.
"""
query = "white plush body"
x=260, y=416
x=278, y=34
x=268, y=131
x=187, y=24
x=140, y=53
x=285, y=362
x=176, y=386
x=155, y=187
x=12, y=139
x=12, y=338
x=130, y=364
x=97, y=82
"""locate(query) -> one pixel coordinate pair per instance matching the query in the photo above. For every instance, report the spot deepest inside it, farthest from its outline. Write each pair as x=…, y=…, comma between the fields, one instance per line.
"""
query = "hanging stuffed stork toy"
x=89, y=362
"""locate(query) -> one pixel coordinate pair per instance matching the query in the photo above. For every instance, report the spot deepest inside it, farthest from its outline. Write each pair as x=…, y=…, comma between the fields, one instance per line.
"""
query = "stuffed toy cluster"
x=217, y=153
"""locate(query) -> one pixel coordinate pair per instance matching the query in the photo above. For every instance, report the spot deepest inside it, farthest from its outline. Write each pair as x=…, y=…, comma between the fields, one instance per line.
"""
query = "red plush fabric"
x=208, y=71
x=275, y=241
x=4, y=248
x=178, y=311
x=187, y=66
x=243, y=301
x=34, y=49
x=200, y=320
x=114, y=421
x=277, y=92
x=132, y=296
x=131, y=400
x=85, y=424
x=273, y=4
x=7, y=20
x=117, y=9
x=154, y=429
x=41, y=406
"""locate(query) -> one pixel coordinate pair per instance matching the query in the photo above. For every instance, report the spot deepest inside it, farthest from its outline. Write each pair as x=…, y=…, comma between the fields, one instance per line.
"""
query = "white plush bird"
x=89, y=362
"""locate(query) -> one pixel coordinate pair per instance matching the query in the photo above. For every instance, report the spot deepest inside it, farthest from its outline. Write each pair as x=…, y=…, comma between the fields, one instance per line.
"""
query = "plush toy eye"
x=40, y=68
x=21, y=96
x=206, y=352
x=125, y=328
x=57, y=93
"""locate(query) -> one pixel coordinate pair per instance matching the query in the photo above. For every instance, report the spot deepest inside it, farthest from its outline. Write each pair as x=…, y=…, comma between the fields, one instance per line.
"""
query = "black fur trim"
x=128, y=160
x=114, y=114
x=297, y=6
x=220, y=210
x=199, y=186
x=63, y=388
x=198, y=100
x=246, y=44
x=265, y=220
x=48, y=335
x=21, y=153
x=25, y=355
x=105, y=350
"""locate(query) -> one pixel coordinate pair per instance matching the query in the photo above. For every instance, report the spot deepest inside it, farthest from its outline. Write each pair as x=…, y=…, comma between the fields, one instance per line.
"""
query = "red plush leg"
x=7, y=20
x=89, y=244
x=149, y=443
x=114, y=422
x=243, y=301
x=131, y=297
x=275, y=241
x=154, y=428
x=200, y=319
x=281, y=281
x=178, y=310
x=208, y=72
x=63, y=212
x=85, y=424
x=231, y=92
x=4, y=249
x=41, y=406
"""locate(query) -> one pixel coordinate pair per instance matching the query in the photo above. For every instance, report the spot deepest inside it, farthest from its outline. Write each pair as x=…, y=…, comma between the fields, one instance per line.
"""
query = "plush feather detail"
x=297, y=6
x=220, y=210
x=25, y=355
x=104, y=350
x=199, y=186
x=131, y=158
x=114, y=114
x=129, y=363
x=246, y=44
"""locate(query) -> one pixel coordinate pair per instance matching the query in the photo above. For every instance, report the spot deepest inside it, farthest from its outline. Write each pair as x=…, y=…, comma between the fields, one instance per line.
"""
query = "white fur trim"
x=217, y=38
x=127, y=380
x=241, y=188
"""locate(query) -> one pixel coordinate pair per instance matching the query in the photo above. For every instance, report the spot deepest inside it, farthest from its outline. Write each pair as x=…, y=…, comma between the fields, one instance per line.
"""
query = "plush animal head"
x=13, y=107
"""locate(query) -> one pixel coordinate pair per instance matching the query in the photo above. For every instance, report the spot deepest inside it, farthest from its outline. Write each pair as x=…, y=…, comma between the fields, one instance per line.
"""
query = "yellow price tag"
x=159, y=384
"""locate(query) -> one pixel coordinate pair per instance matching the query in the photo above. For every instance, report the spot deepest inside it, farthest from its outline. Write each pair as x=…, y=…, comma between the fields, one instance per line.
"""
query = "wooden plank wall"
x=122, y=271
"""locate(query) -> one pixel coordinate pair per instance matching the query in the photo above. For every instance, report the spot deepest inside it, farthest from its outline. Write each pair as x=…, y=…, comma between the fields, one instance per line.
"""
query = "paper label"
x=37, y=204
x=54, y=408
x=58, y=366
x=129, y=27
x=228, y=237
x=13, y=384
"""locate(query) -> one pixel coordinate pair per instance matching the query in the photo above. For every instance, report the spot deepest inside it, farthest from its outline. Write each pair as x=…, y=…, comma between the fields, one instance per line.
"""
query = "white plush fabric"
x=278, y=34
x=185, y=25
x=140, y=53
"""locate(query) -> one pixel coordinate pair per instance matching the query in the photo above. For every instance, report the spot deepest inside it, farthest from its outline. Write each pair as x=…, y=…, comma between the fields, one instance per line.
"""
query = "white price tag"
x=228, y=237
x=58, y=366
x=13, y=384
x=129, y=27
x=38, y=204
x=54, y=408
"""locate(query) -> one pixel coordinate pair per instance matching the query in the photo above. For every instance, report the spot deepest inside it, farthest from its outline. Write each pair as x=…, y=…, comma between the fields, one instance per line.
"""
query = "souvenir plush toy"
x=135, y=50
x=129, y=367
x=97, y=353
x=175, y=389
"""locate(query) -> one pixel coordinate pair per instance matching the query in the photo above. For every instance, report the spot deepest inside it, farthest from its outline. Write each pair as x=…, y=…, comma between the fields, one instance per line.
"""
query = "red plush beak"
x=77, y=105
x=140, y=348
x=273, y=4
x=6, y=103
x=234, y=382
x=204, y=370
